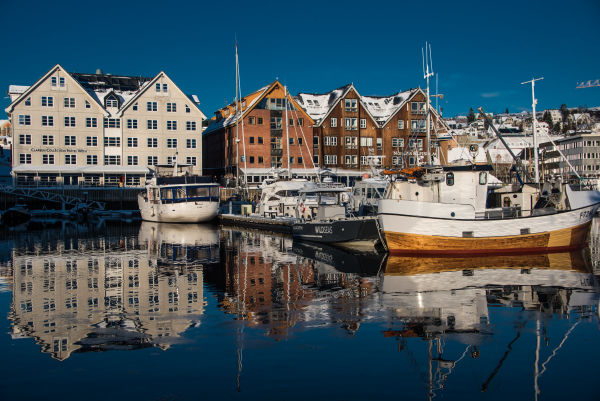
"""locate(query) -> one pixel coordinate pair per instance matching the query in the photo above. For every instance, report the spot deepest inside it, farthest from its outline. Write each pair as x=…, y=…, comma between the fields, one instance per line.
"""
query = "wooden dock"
x=277, y=225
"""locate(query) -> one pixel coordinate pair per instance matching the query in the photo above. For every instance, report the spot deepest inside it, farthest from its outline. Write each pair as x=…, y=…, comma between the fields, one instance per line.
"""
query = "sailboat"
x=457, y=209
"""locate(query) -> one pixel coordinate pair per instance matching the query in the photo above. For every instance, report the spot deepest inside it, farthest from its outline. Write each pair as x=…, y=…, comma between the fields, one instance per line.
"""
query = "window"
x=151, y=106
x=91, y=122
x=28, y=101
x=24, y=119
x=92, y=159
x=170, y=160
x=47, y=101
x=379, y=143
x=48, y=140
x=152, y=160
x=157, y=87
x=132, y=124
x=87, y=104
x=165, y=88
x=259, y=120
x=351, y=105
x=260, y=159
x=171, y=125
x=299, y=159
x=333, y=122
x=112, y=123
x=363, y=123
x=400, y=124
x=132, y=160
x=366, y=141
x=191, y=160
x=252, y=120
x=47, y=121
x=351, y=142
x=330, y=159
x=132, y=142
x=411, y=161
x=70, y=140
x=291, y=160
x=134, y=107
x=449, y=178
x=53, y=81
x=299, y=141
x=291, y=122
x=112, y=141
x=25, y=139
x=69, y=121
x=417, y=107
x=251, y=159
x=61, y=82
x=91, y=141
x=112, y=102
x=153, y=142
x=187, y=108
x=25, y=158
x=300, y=122
x=69, y=102
x=315, y=141
x=260, y=140
x=275, y=122
x=190, y=143
x=420, y=144
x=316, y=160
x=171, y=142
x=397, y=160
x=329, y=140
x=411, y=143
x=70, y=159
x=251, y=140
x=112, y=160
x=291, y=141
x=171, y=107
x=397, y=142
x=417, y=125
x=152, y=124
x=351, y=124
x=47, y=159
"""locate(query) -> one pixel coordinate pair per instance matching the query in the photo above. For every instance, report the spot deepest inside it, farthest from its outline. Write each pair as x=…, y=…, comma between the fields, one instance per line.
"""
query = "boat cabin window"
x=198, y=192
x=450, y=179
x=482, y=178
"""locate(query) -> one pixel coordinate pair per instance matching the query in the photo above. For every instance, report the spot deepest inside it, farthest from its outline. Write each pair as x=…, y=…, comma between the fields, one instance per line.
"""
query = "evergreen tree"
x=471, y=116
x=564, y=111
x=506, y=111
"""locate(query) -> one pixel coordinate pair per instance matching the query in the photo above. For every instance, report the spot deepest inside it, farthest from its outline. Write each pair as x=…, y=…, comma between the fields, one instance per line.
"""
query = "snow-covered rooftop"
x=317, y=106
x=382, y=108
x=17, y=89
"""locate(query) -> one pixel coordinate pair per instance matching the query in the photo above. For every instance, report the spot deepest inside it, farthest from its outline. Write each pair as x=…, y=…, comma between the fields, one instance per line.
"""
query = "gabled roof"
x=383, y=108
x=318, y=106
x=31, y=88
x=228, y=113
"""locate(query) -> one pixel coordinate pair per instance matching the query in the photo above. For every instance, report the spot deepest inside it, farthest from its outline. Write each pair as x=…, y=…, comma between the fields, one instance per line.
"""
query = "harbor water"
x=149, y=311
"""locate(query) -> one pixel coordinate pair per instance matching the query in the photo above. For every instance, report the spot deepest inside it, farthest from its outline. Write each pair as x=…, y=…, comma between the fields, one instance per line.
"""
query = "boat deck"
x=278, y=225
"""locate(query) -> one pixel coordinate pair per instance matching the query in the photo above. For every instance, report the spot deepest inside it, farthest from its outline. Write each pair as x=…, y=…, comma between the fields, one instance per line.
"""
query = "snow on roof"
x=17, y=89
x=382, y=108
x=317, y=106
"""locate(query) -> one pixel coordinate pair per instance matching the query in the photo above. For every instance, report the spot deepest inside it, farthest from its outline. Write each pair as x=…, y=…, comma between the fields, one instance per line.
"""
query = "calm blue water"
x=168, y=312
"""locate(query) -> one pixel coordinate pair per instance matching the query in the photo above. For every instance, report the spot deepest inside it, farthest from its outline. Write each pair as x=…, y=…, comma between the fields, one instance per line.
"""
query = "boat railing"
x=499, y=213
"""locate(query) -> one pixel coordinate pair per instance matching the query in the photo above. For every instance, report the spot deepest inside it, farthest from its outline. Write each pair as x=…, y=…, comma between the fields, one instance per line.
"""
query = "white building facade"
x=78, y=129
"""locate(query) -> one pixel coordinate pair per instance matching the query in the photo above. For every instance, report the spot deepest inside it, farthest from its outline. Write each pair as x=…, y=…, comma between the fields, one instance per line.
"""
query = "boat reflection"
x=111, y=293
x=446, y=300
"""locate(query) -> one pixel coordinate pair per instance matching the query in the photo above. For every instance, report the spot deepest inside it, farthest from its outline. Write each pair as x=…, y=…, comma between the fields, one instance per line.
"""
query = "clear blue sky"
x=482, y=50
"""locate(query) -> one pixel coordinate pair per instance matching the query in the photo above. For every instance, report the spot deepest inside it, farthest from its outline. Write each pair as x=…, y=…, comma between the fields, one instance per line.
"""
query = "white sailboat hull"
x=180, y=212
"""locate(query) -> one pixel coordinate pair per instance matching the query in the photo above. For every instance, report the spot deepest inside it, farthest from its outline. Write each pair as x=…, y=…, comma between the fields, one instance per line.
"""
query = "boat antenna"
x=427, y=73
x=533, y=126
x=287, y=132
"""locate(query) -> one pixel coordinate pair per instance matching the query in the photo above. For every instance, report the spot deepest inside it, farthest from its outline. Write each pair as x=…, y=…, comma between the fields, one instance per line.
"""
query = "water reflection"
x=105, y=293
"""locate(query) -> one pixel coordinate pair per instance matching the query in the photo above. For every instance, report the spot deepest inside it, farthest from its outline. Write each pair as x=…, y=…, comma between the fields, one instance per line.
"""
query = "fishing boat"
x=174, y=195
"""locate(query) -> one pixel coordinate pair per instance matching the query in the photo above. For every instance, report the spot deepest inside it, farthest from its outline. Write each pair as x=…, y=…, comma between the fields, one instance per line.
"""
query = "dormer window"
x=111, y=101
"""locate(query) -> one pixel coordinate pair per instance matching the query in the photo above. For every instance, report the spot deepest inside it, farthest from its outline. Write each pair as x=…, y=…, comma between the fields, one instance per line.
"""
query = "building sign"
x=58, y=150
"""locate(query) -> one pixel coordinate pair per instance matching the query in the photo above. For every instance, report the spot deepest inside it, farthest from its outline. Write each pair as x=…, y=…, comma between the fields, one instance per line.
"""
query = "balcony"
x=276, y=152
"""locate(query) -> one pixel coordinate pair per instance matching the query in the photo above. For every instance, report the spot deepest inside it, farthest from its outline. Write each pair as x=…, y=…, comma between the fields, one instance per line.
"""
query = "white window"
x=48, y=140
x=330, y=159
x=417, y=125
x=91, y=141
x=112, y=141
x=91, y=122
x=417, y=107
x=351, y=142
x=92, y=159
x=25, y=139
x=61, y=82
x=132, y=142
x=28, y=101
x=411, y=143
x=396, y=160
x=397, y=142
x=363, y=160
x=157, y=86
x=70, y=159
x=379, y=143
x=171, y=125
x=134, y=107
x=187, y=108
x=333, y=122
x=329, y=140
x=152, y=160
x=112, y=123
x=171, y=142
x=132, y=160
x=190, y=143
x=69, y=102
x=132, y=124
x=171, y=107
x=400, y=124
x=151, y=106
x=47, y=121
x=153, y=142
x=25, y=158
x=191, y=160
x=350, y=160
x=87, y=104
x=53, y=81
x=24, y=119
x=363, y=123
x=190, y=125
x=70, y=140
x=165, y=88
x=47, y=101
x=351, y=124
x=69, y=121
x=112, y=160
x=152, y=124
x=420, y=144
x=112, y=102
x=351, y=105
x=170, y=160
x=366, y=141
x=47, y=159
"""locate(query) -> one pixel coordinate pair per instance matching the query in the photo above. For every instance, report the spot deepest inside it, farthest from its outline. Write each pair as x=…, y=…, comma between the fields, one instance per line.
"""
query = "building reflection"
x=109, y=293
x=272, y=283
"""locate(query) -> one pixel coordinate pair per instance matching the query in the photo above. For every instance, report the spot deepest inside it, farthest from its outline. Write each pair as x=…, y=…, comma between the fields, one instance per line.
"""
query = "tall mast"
x=426, y=74
x=534, y=126
x=287, y=133
x=237, y=139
